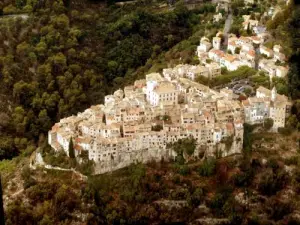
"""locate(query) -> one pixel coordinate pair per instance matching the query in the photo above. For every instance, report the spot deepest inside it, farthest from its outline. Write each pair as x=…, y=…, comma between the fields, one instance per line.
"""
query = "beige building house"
x=267, y=104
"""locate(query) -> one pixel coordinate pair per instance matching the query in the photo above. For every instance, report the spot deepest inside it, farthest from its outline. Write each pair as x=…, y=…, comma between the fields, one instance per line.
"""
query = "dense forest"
x=60, y=60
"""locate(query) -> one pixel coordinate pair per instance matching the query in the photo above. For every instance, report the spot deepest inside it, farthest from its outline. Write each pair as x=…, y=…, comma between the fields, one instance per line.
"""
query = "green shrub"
x=208, y=167
x=184, y=170
x=197, y=197
x=157, y=127
x=281, y=208
x=220, y=198
x=243, y=179
x=268, y=123
x=294, y=160
x=285, y=131
x=271, y=183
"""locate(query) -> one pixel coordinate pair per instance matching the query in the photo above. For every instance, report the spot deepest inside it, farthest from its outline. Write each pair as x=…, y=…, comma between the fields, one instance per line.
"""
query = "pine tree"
x=67, y=3
x=2, y=222
x=71, y=149
x=248, y=29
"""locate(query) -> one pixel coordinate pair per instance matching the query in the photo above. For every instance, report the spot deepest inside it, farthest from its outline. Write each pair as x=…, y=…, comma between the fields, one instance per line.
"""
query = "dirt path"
x=36, y=160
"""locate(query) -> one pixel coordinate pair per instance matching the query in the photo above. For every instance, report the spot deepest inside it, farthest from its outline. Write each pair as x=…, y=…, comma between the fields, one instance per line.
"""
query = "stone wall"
x=126, y=158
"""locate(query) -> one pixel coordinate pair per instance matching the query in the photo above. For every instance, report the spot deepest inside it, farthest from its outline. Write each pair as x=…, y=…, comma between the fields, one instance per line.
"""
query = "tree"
x=197, y=197
x=20, y=3
x=208, y=167
x=44, y=121
x=71, y=149
x=237, y=50
x=293, y=28
x=248, y=29
x=1, y=205
x=157, y=127
x=268, y=123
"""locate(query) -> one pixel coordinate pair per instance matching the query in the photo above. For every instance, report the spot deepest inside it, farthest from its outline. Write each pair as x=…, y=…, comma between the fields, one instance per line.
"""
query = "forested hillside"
x=59, y=57
x=65, y=56
x=241, y=189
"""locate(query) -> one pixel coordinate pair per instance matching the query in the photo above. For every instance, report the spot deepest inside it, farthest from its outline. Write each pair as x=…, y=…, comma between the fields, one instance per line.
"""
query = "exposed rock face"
x=172, y=203
x=211, y=221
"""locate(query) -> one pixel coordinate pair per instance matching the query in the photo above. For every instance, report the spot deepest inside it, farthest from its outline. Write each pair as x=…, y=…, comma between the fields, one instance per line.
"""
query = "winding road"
x=227, y=27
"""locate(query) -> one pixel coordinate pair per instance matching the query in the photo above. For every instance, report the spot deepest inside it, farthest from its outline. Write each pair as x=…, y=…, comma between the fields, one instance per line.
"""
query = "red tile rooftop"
x=78, y=148
x=206, y=113
x=229, y=57
x=255, y=38
x=244, y=38
x=246, y=102
x=55, y=128
x=251, y=53
x=229, y=126
x=232, y=43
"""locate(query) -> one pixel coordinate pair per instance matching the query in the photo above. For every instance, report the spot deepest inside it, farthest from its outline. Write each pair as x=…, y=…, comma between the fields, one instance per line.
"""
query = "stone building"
x=137, y=124
x=267, y=104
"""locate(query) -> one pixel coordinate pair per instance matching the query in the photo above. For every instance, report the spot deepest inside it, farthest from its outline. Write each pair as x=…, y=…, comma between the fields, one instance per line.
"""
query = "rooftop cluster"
x=138, y=123
x=244, y=51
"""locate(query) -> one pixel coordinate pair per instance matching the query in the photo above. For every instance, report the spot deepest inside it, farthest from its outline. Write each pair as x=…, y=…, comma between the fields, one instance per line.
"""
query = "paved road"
x=227, y=27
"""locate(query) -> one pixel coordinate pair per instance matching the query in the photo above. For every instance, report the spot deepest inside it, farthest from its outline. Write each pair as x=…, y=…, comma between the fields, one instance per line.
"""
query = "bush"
x=271, y=183
x=179, y=194
x=179, y=159
x=285, y=131
x=86, y=168
x=281, y=210
x=220, y=198
x=294, y=160
x=176, y=179
x=268, y=123
x=208, y=167
x=243, y=179
x=197, y=197
x=157, y=127
x=184, y=170
x=26, y=176
x=273, y=163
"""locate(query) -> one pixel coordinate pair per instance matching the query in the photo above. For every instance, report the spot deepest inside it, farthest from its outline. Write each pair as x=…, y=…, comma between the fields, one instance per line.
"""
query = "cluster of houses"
x=269, y=63
x=139, y=122
x=240, y=51
x=244, y=51
x=191, y=72
x=267, y=104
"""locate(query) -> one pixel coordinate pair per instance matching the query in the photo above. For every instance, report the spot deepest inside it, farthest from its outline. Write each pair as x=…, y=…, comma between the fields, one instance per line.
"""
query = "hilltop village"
x=139, y=123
